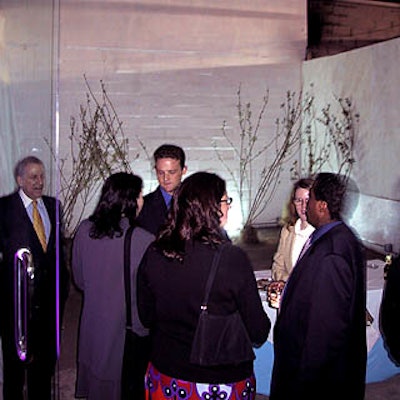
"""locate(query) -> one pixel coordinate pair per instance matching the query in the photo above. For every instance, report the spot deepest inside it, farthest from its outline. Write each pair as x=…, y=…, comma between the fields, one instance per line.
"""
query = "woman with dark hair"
x=98, y=269
x=171, y=285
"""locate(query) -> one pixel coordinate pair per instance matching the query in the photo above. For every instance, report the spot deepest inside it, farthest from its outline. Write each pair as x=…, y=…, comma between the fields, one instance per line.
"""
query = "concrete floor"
x=261, y=256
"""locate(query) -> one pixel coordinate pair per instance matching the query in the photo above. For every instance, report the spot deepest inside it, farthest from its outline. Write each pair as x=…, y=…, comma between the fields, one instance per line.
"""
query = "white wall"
x=370, y=76
x=172, y=70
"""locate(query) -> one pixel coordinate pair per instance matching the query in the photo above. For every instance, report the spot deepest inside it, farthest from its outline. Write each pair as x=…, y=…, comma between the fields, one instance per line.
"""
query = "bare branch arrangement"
x=98, y=148
x=245, y=152
x=256, y=190
x=328, y=139
x=297, y=129
x=284, y=146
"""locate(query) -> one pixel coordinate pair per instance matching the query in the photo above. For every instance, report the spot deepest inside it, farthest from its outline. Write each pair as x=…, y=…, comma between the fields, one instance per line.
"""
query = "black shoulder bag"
x=219, y=339
x=136, y=348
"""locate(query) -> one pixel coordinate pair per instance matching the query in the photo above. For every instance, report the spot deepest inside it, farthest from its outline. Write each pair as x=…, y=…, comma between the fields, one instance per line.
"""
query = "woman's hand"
x=274, y=291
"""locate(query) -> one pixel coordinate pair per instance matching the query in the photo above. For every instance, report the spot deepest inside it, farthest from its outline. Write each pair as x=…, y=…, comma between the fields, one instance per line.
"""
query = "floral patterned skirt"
x=160, y=387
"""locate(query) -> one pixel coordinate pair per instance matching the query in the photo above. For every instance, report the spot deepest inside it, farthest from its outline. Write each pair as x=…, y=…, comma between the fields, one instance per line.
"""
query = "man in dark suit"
x=169, y=164
x=390, y=308
x=320, y=335
x=50, y=279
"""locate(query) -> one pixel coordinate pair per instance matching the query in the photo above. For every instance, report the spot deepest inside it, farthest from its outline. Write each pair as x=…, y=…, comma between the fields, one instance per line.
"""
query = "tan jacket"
x=291, y=241
x=282, y=263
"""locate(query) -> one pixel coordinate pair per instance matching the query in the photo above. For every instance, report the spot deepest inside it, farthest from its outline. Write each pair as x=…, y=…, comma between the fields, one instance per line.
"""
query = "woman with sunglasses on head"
x=171, y=284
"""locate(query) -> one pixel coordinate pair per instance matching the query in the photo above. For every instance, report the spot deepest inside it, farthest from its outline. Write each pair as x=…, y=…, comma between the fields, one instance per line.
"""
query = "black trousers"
x=135, y=361
x=35, y=377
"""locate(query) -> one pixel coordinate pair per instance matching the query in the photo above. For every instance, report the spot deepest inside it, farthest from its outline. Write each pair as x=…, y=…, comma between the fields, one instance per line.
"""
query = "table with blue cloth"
x=379, y=365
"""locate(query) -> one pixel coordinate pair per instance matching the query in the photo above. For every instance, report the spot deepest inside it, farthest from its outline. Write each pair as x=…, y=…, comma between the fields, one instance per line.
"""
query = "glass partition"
x=29, y=37
x=28, y=78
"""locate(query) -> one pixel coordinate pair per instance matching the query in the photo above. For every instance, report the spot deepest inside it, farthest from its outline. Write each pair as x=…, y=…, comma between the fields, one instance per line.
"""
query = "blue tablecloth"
x=379, y=365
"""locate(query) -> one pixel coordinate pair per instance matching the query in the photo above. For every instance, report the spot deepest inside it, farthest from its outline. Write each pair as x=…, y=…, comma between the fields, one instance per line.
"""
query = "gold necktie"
x=38, y=225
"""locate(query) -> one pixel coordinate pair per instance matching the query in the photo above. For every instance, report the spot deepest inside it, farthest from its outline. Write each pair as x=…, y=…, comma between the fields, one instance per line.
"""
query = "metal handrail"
x=24, y=274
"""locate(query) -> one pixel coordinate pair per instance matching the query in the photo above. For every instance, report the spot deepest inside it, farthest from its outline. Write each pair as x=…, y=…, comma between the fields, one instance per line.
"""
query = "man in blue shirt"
x=169, y=164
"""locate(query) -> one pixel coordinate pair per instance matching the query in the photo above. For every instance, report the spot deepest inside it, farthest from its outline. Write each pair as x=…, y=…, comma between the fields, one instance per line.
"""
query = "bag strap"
x=127, y=275
x=211, y=276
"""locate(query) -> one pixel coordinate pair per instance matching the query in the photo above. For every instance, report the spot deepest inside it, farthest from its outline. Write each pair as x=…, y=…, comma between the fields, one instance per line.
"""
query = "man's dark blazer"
x=390, y=311
x=17, y=231
x=154, y=212
x=320, y=333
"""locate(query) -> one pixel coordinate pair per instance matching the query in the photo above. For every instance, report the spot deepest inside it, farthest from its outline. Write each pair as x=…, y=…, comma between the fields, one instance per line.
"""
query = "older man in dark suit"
x=17, y=224
x=169, y=164
x=319, y=335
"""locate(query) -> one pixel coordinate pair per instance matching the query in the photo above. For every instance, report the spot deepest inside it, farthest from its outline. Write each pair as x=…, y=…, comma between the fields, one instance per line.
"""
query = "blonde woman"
x=293, y=236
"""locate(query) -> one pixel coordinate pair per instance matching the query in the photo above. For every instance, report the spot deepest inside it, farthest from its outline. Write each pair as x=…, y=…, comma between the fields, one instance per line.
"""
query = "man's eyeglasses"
x=227, y=201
